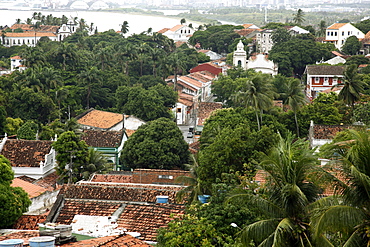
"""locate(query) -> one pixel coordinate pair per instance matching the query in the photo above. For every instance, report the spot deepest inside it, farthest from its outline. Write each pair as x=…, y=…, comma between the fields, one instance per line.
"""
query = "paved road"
x=185, y=129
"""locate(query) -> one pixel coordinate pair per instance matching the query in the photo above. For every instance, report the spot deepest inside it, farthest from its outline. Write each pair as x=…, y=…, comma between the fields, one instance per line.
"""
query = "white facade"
x=262, y=64
x=179, y=33
x=16, y=63
x=264, y=41
x=181, y=114
x=26, y=38
x=339, y=32
x=132, y=122
x=240, y=56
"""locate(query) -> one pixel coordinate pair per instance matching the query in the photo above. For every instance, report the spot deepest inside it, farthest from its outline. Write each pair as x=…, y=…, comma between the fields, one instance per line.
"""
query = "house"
x=320, y=134
x=16, y=64
x=178, y=32
x=335, y=60
x=295, y=30
x=211, y=54
x=339, y=32
x=109, y=143
x=133, y=207
x=214, y=67
x=321, y=78
x=4, y=71
x=103, y=120
x=261, y=63
x=264, y=41
x=26, y=38
x=32, y=158
x=204, y=111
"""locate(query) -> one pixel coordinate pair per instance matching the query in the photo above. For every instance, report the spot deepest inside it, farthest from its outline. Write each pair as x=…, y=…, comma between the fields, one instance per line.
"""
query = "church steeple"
x=240, y=56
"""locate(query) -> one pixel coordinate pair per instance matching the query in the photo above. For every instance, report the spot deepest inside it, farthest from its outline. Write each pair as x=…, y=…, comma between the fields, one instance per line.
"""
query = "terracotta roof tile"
x=123, y=240
x=72, y=207
x=119, y=192
x=25, y=235
x=337, y=25
x=147, y=219
x=27, y=179
x=29, y=222
x=100, y=119
x=31, y=189
x=30, y=34
x=205, y=110
x=163, y=30
x=48, y=182
x=112, y=178
x=43, y=28
x=194, y=147
x=177, y=27
x=99, y=138
x=16, y=57
x=26, y=153
x=130, y=132
x=327, y=131
x=246, y=32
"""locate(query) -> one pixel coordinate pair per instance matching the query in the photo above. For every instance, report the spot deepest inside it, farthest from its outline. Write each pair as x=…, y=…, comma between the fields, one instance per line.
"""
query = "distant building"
x=339, y=32
x=178, y=32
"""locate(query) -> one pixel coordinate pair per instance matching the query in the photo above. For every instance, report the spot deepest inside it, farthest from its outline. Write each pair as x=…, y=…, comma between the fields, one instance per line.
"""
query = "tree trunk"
x=258, y=120
x=296, y=123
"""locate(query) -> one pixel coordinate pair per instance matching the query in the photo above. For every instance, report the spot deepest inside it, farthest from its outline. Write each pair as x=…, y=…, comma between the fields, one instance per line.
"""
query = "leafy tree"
x=281, y=35
x=14, y=200
x=322, y=29
x=72, y=155
x=364, y=25
x=28, y=131
x=351, y=46
x=12, y=125
x=362, y=113
x=2, y=120
x=357, y=59
x=289, y=190
x=87, y=78
x=190, y=231
x=352, y=202
x=96, y=163
x=182, y=21
x=157, y=144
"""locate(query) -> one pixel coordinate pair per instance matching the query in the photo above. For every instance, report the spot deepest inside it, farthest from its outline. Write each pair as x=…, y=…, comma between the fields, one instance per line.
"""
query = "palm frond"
x=258, y=231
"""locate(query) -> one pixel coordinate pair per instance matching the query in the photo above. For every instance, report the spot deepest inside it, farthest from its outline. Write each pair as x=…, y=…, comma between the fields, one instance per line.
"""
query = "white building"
x=260, y=63
x=339, y=32
x=240, y=56
x=178, y=32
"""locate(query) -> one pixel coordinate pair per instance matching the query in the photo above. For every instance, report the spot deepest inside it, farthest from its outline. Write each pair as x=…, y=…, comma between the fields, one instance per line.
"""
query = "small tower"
x=240, y=56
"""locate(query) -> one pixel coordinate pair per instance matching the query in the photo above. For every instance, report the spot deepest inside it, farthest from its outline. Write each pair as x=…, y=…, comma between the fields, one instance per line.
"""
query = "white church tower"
x=240, y=56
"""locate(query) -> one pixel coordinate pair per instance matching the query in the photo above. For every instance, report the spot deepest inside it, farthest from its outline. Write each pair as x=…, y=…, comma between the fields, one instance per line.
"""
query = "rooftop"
x=26, y=153
x=31, y=189
x=337, y=25
x=99, y=138
x=325, y=70
x=99, y=119
x=205, y=110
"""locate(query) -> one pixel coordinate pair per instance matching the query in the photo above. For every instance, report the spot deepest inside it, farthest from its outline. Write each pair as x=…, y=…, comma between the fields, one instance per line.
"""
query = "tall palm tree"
x=294, y=97
x=257, y=93
x=347, y=216
x=88, y=77
x=288, y=191
x=177, y=64
x=352, y=86
x=96, y=163
x=50, y=79
x=299, y=17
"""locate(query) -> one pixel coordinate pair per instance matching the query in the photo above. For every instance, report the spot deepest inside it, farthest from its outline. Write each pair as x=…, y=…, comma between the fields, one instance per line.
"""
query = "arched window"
x=239, y=63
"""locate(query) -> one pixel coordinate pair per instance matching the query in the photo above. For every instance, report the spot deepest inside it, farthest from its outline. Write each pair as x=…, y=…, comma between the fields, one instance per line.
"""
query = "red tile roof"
x=29, y=222
x=123, y=240
x=100, y=119
x=99, y=138
x=16, y=58
x=147, y=219
x=194, y=147
x=31, y=189
x=207, y=67
x=205, y=109
x=112, y=178
x=26, y=153
x=177, y=27
x=130, y=132
x=48, y=182
x=327, y=131
x=72, y=207
x=337, y=25
x=30, y=34
x=43, y=28
x=25, y=235
x=163, y=30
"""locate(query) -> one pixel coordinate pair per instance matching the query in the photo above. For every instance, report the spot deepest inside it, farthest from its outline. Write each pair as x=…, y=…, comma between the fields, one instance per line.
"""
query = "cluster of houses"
x=125, y=208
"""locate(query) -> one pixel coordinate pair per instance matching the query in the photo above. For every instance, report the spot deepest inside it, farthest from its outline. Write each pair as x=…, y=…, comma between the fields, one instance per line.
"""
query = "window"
x=335, y=80
x=332, y=33
x=342, y=42
x=349, y=32
x=326, y=81
x=335, y=33
x=343, y=33
x=179, y=110
x=317, y=79
x=328, y=33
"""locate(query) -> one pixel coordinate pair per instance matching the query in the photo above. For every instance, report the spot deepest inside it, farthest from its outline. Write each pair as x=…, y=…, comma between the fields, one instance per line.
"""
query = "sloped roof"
x=73, y=207
x=337, y=25
x=30, y=34
x=163, y=30
x=146, y=219
x=207, y=67
x=31, y=189
x=99, y=138
x=205, y=110
x=99, y=119
x=16, y=58
x=194, y=147
x=119, y=192
x=112, y=178
x=26, y=153
x=48, y=182
x=325, y=70
x=327, y=131
x=177, y=27
x=130, y=132
x=43, y=28
x=246, y=32
x=190, y=81
x=123, y=240
x=29, y=222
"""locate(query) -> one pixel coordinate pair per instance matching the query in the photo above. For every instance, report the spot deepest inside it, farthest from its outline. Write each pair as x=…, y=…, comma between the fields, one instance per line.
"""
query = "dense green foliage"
x=159, y=144
x=352, y=46
x=14, y=200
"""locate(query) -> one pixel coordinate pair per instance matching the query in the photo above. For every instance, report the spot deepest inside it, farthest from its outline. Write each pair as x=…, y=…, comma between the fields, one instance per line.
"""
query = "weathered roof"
x=163, y=30
x=205, y=109
x=246, y=32
x=42, y=28
x=325, y=70
x=16, y=58
x=123, y=240
x=48, y=182
x=119, y=192
x=327, y=131
x=177, y=27
x=73, y=207
x=31, y=189
x=29, y=222
x=30, y=34
x=337, y=25
x=100, y=119
x=210, y=67
x=194, y=147
x=112, y=178
x=146, y=219
x=99, y=138
x=130, y=132
x=26, y=153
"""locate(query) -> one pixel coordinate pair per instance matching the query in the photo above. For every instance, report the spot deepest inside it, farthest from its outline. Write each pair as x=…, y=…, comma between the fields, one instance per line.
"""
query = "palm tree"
x=288, y=191
x=88, y=77
x=50, y=78
x=124, y=27
x=347, y=215
x=177, y=64
x=299, y=17
x=96, y=163
x=352, y=86
x=257, y=94
x=294, y=97
x=322, y=29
